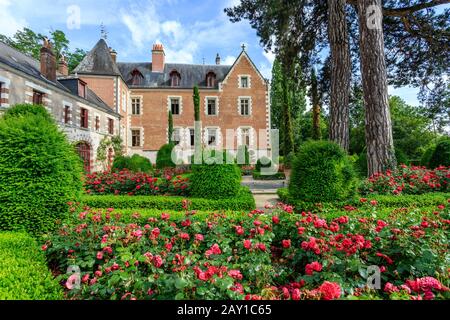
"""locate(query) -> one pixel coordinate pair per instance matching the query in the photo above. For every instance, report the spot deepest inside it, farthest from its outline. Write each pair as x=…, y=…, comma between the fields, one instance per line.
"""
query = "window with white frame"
x=212, y=137
x=192, y=137
x=176, y=136
x=245, y=137
x=175, y=106
x=244, y=106
x=211, y=106
x=135, y=138
x=244, y=82
x=136, y=106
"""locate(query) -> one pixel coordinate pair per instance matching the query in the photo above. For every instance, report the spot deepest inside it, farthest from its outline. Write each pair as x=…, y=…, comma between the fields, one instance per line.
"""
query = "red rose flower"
x=330, y=290
x=286, y=244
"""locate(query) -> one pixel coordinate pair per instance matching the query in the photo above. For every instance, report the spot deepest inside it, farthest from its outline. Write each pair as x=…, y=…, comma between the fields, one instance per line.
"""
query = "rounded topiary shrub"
x=441, y=154
x=322, y=172
x=215, y=181
x=121, y=163
x=136, y=163
x=263, y=162
x=39, y=172
x=164, y=157
x=140, y=164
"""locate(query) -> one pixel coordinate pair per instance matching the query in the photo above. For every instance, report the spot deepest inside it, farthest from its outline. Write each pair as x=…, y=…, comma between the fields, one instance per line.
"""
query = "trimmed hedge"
x=39, y=171
x=164, y=157
x=243, y=201
x=386, y=201
x=136, y=163
x=322, y=171
x=277, y=176
x=215, y=181
x=23, y=271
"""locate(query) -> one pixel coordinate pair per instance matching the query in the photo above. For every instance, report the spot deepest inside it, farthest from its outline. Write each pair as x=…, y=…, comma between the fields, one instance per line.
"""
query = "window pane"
x=211, y=107
x=192, y=133
x=175, y=106
x=212, y=137
x=176, y=137
x=244, y=82
x=136, y=138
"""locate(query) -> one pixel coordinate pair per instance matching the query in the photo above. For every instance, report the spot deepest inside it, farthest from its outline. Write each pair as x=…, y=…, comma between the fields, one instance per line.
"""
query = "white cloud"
x=183, y=42
x=229, y=60
x=143, y=23
x=8, y=24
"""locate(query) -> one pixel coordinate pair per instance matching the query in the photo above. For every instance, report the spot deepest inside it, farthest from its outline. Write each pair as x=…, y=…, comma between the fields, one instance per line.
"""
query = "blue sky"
x=191, y=30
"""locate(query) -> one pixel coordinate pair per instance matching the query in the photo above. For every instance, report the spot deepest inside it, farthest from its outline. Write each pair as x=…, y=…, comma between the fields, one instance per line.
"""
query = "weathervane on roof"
x=103, y=32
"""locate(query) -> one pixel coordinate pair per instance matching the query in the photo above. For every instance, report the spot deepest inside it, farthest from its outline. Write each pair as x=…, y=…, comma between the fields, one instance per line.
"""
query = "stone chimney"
x=158, y=58
x=218, y=59
x=113, y=54
x=48, y=61
x=63, y=67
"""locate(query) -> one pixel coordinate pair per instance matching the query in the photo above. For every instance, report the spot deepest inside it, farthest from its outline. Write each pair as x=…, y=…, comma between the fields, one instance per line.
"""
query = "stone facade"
x=18, y=86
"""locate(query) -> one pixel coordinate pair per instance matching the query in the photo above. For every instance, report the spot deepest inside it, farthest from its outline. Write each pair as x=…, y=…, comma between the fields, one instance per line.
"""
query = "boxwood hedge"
x=23, y=271
x=243, y=201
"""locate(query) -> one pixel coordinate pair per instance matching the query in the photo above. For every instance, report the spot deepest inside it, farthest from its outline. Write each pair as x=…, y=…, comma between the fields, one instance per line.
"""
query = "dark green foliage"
x=24, y=110
x=402, y=158
x=264, y=162
x=215, y=181
x=322, y=172
x=196, y=98
x=277, y=176
x=164, y=157
x=426, y=157
x=383, y=201
x=242, y=201
x=441, y=154
x=23, y=271
x=39, y=172
x=136, y=163
x=243, y=156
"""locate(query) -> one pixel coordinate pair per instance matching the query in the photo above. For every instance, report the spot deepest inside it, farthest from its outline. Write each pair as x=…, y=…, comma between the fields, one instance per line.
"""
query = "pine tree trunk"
x=288, y=134
x=379, y=140
x=315, y=99
x=340, y=73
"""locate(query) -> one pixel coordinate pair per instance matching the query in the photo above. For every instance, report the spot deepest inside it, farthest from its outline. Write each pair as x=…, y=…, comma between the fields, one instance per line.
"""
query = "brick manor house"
x=104, y=97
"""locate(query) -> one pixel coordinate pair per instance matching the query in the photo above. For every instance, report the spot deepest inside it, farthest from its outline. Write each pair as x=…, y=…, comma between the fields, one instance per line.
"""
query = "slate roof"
x=191, y=74
x=30, y=66
x=98, y=61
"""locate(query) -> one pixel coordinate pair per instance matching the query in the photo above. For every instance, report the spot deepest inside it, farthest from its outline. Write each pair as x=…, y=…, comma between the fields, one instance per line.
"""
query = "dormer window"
x=211, y=80
x=136, y=77
x=82, y=89
x=175, y=79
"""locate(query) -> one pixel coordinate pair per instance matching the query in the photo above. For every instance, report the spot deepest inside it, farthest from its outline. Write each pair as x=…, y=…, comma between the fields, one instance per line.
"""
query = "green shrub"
x=289, y=160
x=242, y=201
x=276, y=176
x=164, y=157
x=120, y=163
x=136, y=163
x=24, y=110
x=426, y=157
x=383, y=201
x=264, y=162
x=243, y=156
x=215, y=181
x=322, y=172
x=441, y=154
x=401, y=156
x=23, y=271
x=39, y=172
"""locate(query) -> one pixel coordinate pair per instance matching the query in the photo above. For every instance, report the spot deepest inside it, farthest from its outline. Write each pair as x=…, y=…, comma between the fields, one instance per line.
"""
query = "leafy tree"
x=30, y=43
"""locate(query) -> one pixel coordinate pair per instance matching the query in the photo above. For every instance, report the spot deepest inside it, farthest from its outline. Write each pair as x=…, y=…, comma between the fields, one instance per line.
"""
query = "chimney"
x=48, y=61
x=63, y=68
x=113, y=54
x=158, y=58
x=218, y=59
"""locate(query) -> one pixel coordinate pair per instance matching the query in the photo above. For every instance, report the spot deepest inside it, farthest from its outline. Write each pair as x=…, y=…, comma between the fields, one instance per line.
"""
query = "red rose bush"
x=270, y=254
x=126, y=182
x=408, y=180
